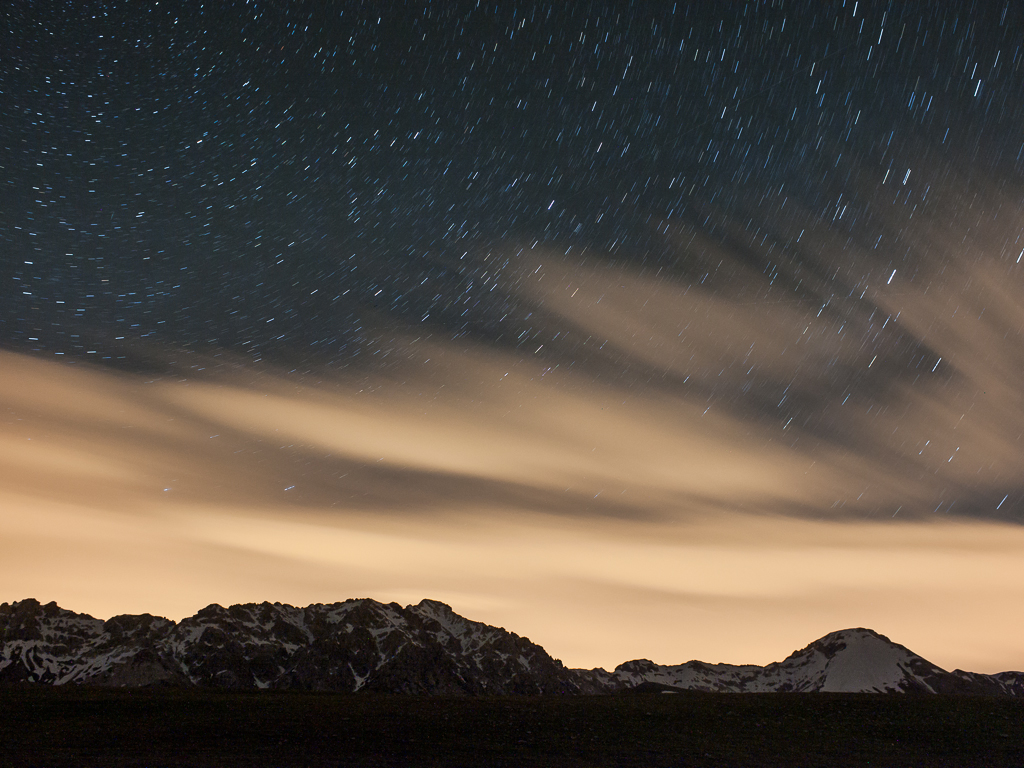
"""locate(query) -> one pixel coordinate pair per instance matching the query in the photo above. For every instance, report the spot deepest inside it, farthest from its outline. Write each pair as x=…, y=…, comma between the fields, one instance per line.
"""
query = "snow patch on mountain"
x=869, y=662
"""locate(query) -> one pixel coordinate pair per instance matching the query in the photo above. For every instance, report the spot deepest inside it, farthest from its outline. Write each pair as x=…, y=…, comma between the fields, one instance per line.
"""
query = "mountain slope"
x=363, y=645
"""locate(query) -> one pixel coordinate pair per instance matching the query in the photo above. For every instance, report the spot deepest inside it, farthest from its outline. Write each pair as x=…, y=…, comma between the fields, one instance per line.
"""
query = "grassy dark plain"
x=44, y=726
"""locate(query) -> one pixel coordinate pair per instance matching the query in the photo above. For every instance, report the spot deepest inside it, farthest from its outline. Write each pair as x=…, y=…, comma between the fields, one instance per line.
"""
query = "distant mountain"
x=363, y=645
x=851, y=660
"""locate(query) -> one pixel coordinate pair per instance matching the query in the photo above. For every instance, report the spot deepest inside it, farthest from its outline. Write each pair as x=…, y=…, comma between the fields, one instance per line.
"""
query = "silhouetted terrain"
x=81, y=727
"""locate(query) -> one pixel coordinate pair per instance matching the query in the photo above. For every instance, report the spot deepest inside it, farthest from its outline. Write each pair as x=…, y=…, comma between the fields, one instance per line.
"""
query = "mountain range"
x=363, y=645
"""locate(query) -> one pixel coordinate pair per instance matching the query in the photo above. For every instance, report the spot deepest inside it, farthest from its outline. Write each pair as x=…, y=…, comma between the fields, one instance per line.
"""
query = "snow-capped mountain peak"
x=859, y=660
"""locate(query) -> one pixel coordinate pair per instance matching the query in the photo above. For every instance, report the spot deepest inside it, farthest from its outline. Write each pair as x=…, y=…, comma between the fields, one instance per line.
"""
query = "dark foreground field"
x=42, y=726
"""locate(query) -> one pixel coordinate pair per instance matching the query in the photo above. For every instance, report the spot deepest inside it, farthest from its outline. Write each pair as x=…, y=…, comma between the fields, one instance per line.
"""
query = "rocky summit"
x=363, y=645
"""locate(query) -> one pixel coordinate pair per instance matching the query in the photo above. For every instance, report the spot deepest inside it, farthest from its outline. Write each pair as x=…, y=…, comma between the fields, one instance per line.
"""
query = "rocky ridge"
x=357, y=645
x=363, y=645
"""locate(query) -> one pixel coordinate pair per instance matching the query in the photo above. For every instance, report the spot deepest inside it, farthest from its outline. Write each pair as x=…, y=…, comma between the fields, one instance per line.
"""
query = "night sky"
x=628, y=326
